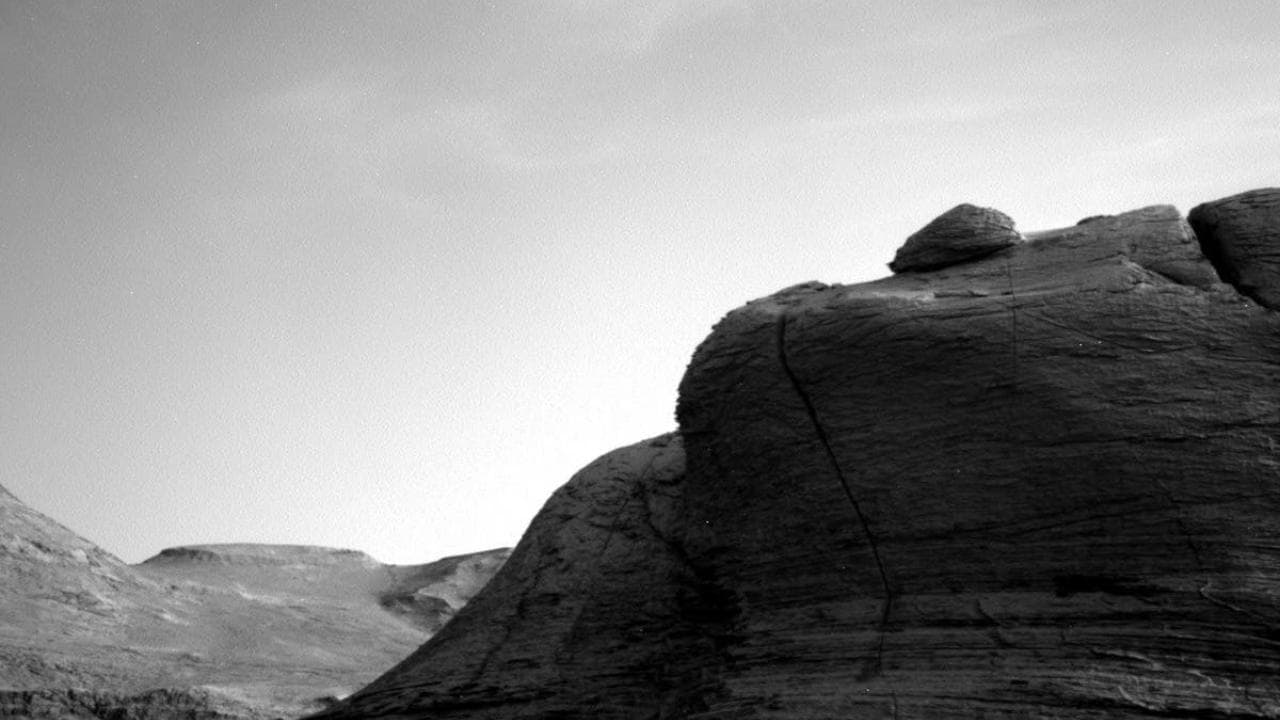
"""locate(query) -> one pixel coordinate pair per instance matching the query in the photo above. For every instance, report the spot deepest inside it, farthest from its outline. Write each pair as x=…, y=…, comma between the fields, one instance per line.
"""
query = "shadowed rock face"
x=1040, y=483
x=598, y=613
x=1241, y=235
x=204, y=632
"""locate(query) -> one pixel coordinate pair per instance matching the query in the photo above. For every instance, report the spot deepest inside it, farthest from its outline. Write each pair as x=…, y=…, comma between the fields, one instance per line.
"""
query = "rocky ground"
x=217, y=631
x=1026, y=476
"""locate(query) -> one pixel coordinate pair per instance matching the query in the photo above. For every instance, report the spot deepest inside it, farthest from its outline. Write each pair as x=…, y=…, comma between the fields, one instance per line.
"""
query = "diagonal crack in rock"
x=824, y=439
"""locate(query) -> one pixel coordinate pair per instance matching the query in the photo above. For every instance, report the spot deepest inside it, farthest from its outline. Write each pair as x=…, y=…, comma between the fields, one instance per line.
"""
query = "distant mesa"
x=962, y=234
x=205, y=632
x=261, y=554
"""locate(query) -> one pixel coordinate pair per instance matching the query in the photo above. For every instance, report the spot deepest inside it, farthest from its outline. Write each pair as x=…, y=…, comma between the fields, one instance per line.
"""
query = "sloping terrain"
x=592, y=614
x=1041, y=479
x=232, y=630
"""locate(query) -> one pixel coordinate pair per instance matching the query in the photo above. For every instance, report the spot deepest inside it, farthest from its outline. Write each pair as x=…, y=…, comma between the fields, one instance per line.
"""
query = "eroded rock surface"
x=596, y=614
x=1241, y=235
x=1043, y=484
x=963, y=233
x=1038, y=484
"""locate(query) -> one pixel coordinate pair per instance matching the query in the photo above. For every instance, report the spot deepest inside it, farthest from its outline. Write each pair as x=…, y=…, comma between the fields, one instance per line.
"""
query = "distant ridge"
x=250, y=553
x=27, y=536
x=205, y=632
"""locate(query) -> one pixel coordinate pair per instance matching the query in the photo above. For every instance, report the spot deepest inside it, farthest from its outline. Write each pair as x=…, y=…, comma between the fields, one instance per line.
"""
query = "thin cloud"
x=638, y=28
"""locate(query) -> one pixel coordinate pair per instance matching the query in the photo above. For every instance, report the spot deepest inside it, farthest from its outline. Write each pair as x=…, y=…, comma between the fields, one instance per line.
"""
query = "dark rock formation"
x=961, y=234
x=596, y=614
x=210, y=631
x=1241, y=236
x=1041, y=484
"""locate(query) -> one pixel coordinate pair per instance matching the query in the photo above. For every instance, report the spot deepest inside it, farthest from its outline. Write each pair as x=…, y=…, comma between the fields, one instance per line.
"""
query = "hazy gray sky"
x=383, y=275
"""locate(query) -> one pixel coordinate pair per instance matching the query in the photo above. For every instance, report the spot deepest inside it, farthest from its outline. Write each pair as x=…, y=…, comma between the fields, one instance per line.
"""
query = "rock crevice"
x=821, y=433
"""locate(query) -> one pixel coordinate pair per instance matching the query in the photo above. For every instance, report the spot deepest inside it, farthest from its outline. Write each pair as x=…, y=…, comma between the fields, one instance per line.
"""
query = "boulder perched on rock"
x=1241, y=235
x=961, y=234
x=1044, y=484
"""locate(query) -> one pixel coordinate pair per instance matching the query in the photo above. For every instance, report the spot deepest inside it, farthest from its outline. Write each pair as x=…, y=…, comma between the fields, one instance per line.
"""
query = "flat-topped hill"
x=258, y=554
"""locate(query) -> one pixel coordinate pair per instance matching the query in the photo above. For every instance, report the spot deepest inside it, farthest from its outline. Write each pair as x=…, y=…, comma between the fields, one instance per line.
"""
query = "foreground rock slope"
x=213, y=631
x=1038, y=482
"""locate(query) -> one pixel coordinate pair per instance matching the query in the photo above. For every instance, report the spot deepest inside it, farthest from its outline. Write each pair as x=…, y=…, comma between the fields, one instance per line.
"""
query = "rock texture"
x=1040, y=484
x=1241, y=235
x=72, y=704
x=961, y=234
x=212, y=631
x=596, y=614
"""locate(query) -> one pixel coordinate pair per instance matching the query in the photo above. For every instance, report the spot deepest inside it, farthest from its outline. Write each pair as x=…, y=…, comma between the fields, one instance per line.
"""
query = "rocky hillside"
x=214, y=631
x=1025, y=476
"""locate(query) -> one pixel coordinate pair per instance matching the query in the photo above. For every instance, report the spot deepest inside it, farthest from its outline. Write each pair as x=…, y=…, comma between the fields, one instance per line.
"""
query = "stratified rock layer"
x=1241, y=235
x=1043, y=485
x=1040, y=484
x=596, y=614
x=963, y=233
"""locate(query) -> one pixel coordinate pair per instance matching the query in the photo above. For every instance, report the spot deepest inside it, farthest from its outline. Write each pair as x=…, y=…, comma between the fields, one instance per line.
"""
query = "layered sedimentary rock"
x=1044, y=483
x=1038, y=483
x=596, y=612
x=204, y=632
x=963, y=233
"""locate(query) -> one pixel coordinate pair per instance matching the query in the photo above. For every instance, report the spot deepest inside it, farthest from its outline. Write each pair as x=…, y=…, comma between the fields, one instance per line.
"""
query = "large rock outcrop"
x=1040, y=483
x=205, y=632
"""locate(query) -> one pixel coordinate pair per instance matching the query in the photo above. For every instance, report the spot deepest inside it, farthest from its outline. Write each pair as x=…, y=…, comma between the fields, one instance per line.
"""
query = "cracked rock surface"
x=1042, y=483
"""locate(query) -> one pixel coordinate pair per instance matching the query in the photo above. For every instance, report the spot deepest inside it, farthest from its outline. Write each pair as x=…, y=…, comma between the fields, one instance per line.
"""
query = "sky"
x=384, y=275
